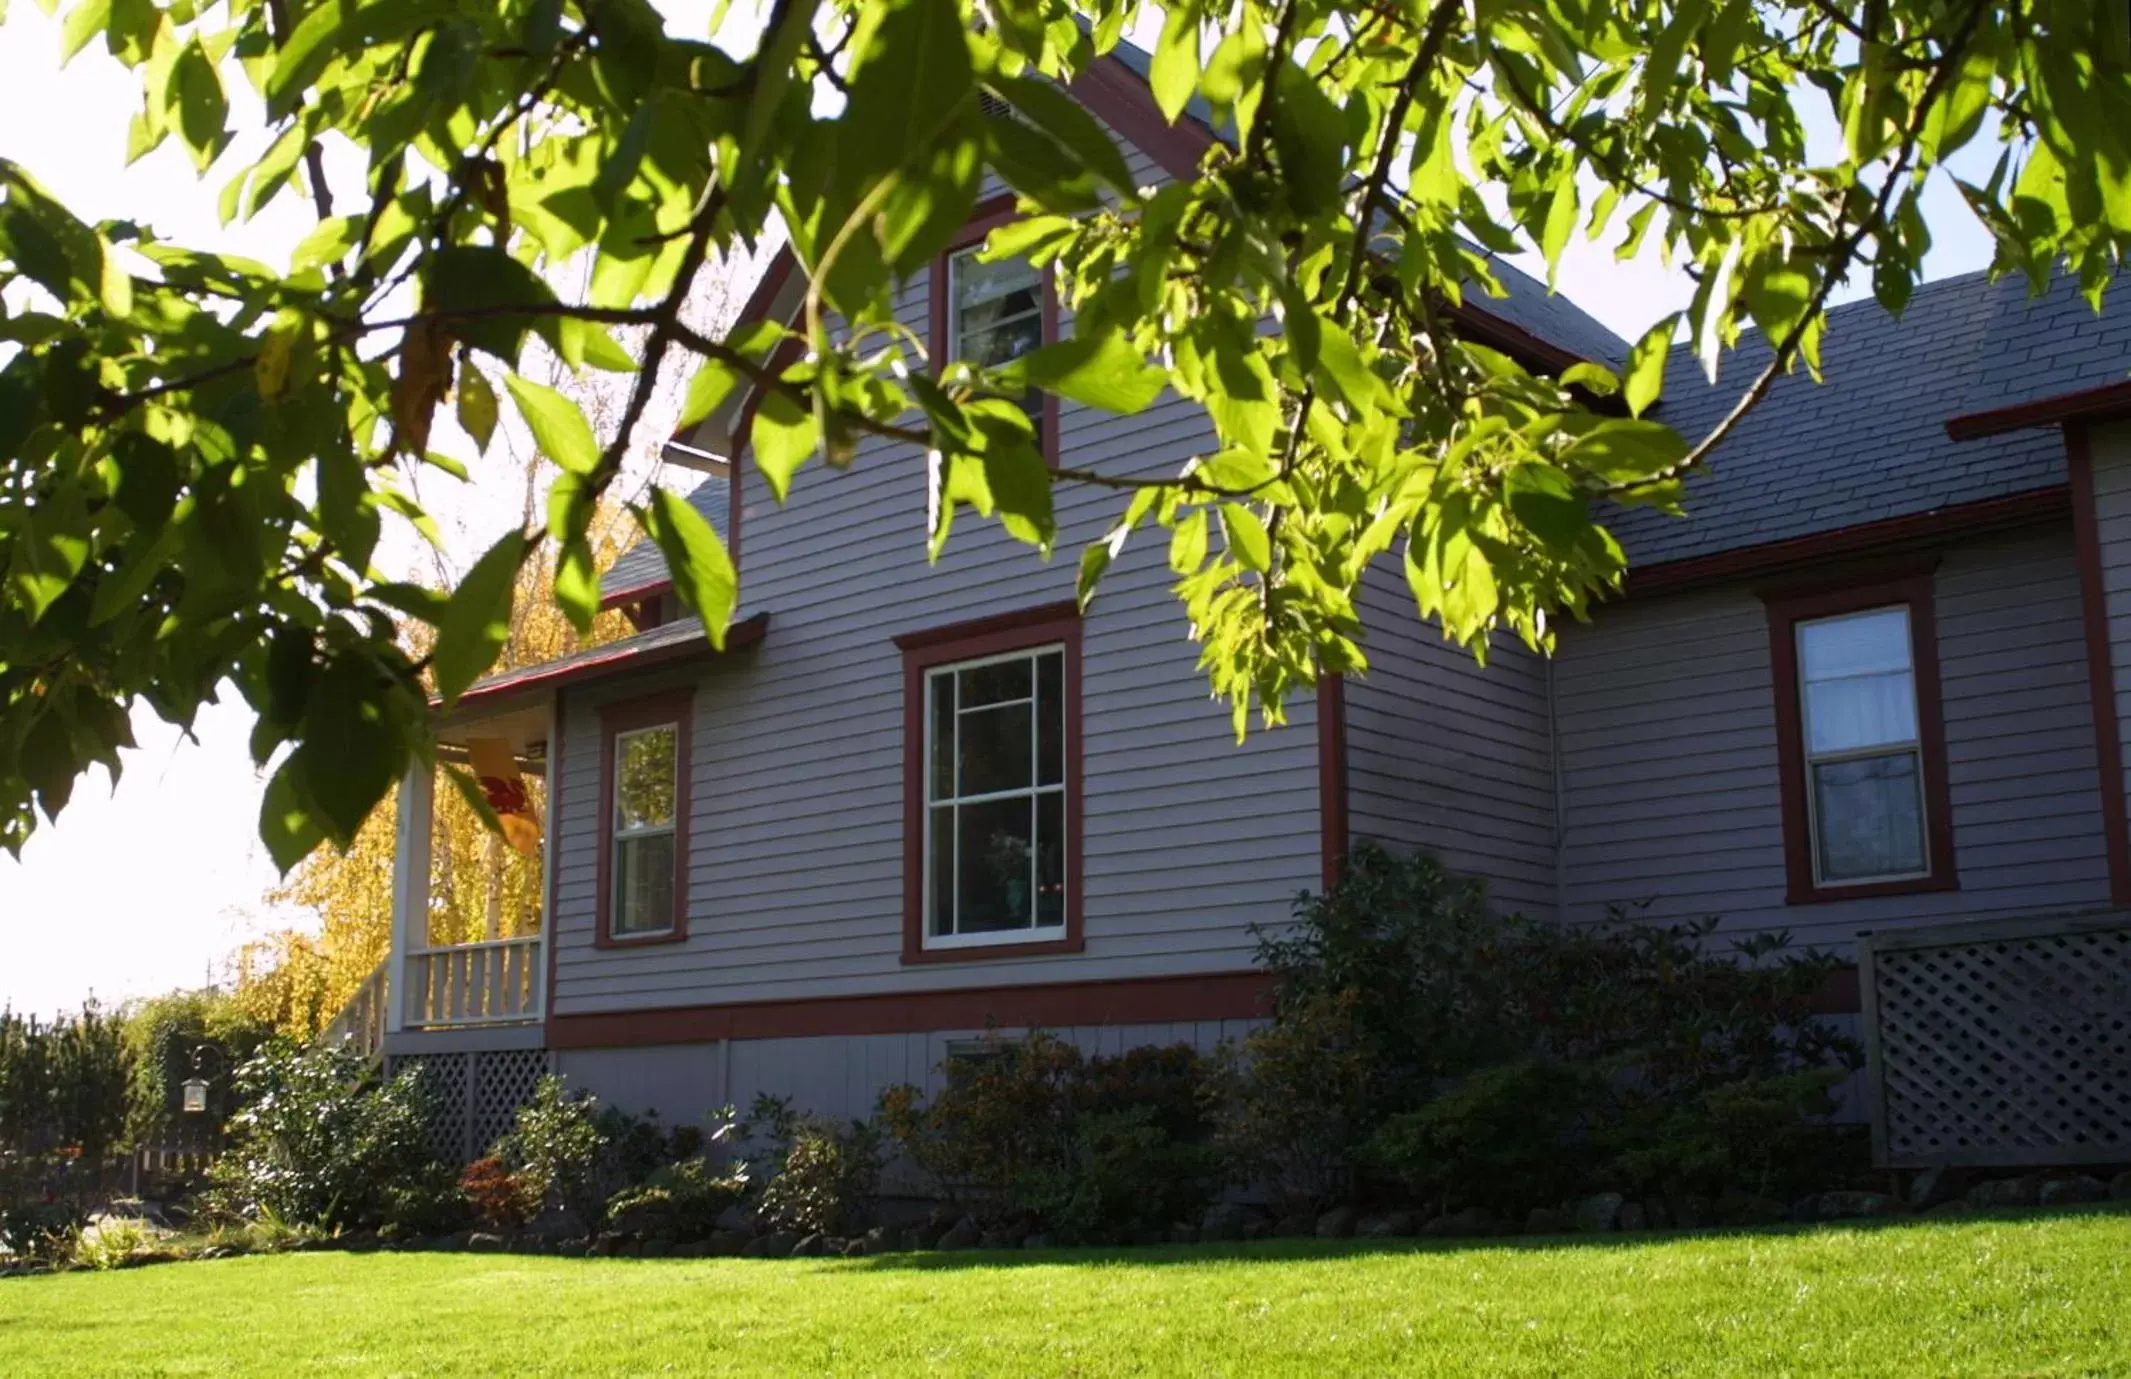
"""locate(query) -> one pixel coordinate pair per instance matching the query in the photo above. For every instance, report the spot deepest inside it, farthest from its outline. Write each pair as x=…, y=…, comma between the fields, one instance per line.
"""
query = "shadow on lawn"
x=1293, y=1249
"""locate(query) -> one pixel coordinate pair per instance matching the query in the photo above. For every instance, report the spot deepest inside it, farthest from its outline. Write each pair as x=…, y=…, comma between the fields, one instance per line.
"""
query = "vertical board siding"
x=1666, y=716
x=796, y=864
x=2110, y=447
x=1449, y=757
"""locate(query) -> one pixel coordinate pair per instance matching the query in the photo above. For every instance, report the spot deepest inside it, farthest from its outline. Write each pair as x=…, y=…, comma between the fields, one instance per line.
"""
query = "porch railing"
x=495, y=982
x=360, y=1026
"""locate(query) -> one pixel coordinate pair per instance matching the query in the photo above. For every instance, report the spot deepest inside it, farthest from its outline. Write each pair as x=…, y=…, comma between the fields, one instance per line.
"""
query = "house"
x=1868, y=687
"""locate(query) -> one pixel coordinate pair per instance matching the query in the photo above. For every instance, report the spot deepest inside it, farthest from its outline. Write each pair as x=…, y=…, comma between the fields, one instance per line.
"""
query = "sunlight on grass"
x=2039, y=1296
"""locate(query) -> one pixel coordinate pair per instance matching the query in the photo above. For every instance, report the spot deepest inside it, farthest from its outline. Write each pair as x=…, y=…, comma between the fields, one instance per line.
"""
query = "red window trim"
x=676, y=707
x=968, y=641
x=988, y=216
x=1791, y=605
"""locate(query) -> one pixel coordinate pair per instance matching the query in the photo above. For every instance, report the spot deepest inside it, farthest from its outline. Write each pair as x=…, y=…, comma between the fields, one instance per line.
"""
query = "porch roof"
x=668, y=644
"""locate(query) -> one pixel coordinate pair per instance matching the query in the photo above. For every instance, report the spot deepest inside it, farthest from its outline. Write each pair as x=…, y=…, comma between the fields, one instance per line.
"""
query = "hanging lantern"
x=195, y=1090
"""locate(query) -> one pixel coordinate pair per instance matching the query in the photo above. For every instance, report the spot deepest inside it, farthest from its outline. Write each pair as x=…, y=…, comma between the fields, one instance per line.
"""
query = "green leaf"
x=558, y=428
x=703, y=573
x=1068, y=121
x=1187, y=544
x=707, y=391
x=285, y=822
x=350, y=751
x=1248, y=539
x=1103, y=371
x=1622, y=451
x=476, y=404
x=577, y=583
x=1546, y=501
x=1560, y=223
x=782, y=437
x=1311, y=133
x=1646, y=364
x=50, y=548
x=1175, y=68
x=477, y=617
x=910, y=73
x=479, y=278
x=1094, y=562
x=84, y=22
x=202, y=108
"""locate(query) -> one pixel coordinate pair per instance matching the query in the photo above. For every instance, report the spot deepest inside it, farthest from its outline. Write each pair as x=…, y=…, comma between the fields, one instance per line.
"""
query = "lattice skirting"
x=2001, y=1042
x=476, y=1095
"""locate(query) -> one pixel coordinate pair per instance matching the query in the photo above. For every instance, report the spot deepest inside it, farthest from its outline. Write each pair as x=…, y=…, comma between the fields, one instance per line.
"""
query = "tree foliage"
x=201, y=450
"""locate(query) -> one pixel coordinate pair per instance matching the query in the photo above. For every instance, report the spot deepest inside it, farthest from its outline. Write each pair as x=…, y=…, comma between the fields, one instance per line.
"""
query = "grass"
x=2032, y=1296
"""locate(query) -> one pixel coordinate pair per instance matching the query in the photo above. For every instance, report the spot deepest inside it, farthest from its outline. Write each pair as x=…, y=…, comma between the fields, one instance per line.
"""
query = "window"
x=1858, y=725
x=643, y=853
x=992, y=845
x=994, y=313
x=1864, y=762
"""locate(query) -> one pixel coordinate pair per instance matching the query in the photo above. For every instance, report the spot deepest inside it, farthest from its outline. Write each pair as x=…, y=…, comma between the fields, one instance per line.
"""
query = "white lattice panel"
x=2006, y=1043
x=474, y=1096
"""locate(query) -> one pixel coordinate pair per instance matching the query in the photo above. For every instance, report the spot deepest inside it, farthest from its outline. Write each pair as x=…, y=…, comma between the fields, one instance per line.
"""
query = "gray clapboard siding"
x=2110, y=449
x=796, y=854
x=1449, y=757
x=1666, y=716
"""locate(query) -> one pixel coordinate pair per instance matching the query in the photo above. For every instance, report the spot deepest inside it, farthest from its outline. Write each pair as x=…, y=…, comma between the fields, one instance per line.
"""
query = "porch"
x=467, y=966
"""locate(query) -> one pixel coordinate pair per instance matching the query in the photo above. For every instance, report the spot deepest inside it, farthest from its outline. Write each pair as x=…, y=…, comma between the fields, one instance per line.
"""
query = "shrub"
x=1302, y=1102
x=1767, y=1137
x=43, y=1232
x=167, y=1037
x=680, y=1201
x=315, y=1144
x=1089, y=1147
x=1507, y=1137
x=499, y=1199
x=428, y=1203
x=62, y=1105
x=112, y=1242
x=820, y=1176
x=557, y=1149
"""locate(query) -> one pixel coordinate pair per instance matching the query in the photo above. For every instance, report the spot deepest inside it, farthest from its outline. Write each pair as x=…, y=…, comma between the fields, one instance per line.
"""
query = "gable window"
x=994, y=313
x=643, y=848
x=993, y=821
x=1858, y=724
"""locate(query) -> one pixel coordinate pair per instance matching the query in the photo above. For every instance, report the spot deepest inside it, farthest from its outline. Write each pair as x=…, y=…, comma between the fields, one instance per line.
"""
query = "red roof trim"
x=1483, y=327
x=635, y=593
x=2109, y=399
x=1114, y=93
x=1990, y=514
x=621, y=659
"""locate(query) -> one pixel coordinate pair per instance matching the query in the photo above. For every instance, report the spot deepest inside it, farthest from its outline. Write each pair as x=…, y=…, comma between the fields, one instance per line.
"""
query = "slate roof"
x=670, y=642
x=1548, y=315
x=1870, y=443
x=642, y=564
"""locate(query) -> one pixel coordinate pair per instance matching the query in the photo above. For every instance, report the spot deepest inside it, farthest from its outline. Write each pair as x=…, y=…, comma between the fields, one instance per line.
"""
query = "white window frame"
x=1913, y=747
x=955, y=259
x=1035, y=932
x=618, y=835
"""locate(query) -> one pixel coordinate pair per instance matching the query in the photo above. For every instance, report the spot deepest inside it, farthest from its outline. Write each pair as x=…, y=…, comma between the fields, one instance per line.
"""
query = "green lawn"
x=2048, y=1295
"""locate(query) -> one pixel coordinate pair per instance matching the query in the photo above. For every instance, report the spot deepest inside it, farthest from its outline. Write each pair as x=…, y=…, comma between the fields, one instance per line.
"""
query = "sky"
x=153, y=884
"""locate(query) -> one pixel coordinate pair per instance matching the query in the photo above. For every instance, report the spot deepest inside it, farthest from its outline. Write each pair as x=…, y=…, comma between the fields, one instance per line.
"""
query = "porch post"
x=410, y=891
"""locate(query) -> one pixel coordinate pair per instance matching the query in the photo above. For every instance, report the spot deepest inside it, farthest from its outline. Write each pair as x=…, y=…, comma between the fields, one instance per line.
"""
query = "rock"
x=1633, y=1217
x=963, y=1236
x=1257, y=1228
x=1295, y=1225
x=1657, y=1213
x=2067, y=1192
x=1955, y=1206
x=1149, y=1235
x=1000, y=1238
x=1806, y=1209
x=853, y=1248
x=1226, y=1221
x=729, y=1244
x=2001, y=1193
x=1548, y=1221
x=1850, y=1206
x=1935, y=1185
x=692, y=1249
x=1692, y=1212
x=808, y=1246
x=1463, y=1223
x=775, y=1245
x=736, y=1218
x=881, y=1240
x=1599, y=1212
x=2120, y=1186
x=629, y=1249
x=1036, y=1240
x=655, y=1249
x=1388, y=1225
x=1183, y=1233
x=1336, y=1223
